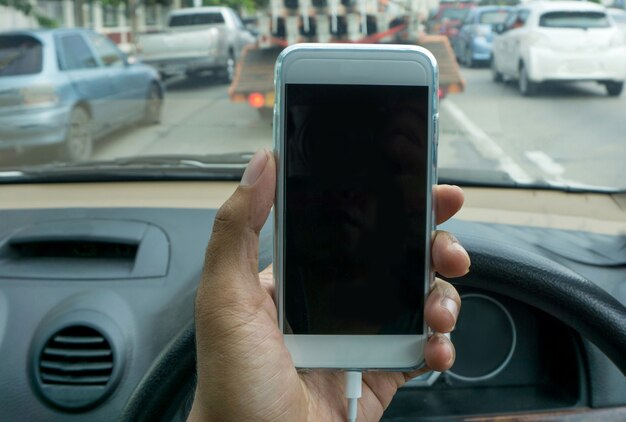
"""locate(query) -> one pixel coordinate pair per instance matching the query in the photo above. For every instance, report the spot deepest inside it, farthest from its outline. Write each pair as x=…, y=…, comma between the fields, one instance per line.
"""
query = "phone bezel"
x=356, y=64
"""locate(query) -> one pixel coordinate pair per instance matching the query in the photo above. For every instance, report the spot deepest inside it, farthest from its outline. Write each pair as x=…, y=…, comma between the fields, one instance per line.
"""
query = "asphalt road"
x=198, y=118
x=573, y=134
x=568, y=134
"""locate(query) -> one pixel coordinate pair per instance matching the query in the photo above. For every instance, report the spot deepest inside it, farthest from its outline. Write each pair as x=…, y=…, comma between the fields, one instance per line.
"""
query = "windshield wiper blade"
x=230, y=160
x=168, y=167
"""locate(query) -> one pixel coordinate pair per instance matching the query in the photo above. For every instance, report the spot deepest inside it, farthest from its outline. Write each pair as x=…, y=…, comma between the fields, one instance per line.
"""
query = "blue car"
x=474, y=42
x=64, y=88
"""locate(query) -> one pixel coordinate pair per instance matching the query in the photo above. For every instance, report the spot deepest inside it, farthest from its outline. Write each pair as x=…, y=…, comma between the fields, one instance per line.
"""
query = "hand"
x=244, y=369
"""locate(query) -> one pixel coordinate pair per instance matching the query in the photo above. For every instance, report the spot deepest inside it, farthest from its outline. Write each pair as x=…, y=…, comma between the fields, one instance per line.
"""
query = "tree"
x=27, y=9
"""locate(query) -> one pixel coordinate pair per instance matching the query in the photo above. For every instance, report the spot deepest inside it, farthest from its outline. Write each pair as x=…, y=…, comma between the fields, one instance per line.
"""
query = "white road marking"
x=485, y=145
x=545, y=163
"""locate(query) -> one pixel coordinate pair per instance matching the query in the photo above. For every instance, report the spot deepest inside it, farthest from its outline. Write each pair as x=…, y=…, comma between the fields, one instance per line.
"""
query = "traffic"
x=125, y=126
x=202, y=74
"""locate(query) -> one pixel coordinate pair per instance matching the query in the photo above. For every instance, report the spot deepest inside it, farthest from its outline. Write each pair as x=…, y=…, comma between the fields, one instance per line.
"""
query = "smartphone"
x=355, y=141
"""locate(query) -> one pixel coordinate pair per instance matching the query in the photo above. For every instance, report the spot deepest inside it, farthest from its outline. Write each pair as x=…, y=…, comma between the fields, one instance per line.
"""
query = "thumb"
x=233, y=248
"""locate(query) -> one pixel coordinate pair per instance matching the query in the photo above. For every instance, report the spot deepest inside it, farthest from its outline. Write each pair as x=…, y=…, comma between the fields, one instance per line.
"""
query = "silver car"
x=64, y=88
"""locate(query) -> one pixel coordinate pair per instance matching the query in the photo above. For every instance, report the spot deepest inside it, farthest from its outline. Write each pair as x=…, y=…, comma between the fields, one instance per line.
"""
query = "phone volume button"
x=435, y=145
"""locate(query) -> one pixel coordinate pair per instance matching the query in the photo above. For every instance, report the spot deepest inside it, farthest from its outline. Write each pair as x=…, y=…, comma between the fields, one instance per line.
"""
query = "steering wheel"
x=509, y=271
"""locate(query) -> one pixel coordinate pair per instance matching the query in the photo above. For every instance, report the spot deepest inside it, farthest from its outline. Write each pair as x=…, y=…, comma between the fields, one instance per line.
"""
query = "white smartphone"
x=355, y=140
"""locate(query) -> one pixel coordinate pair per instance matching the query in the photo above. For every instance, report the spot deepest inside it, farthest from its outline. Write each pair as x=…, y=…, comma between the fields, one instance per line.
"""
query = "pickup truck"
x=196, y=40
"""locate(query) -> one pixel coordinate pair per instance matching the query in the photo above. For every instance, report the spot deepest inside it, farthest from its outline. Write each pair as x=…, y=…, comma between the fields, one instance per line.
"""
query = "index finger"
x=448, y=201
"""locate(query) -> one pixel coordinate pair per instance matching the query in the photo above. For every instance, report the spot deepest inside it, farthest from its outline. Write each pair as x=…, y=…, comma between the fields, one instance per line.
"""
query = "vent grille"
x=76, y=356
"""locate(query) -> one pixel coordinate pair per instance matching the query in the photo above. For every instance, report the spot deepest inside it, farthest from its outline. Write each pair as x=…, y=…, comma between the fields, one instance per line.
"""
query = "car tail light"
x=39, y=95
x=256, y=100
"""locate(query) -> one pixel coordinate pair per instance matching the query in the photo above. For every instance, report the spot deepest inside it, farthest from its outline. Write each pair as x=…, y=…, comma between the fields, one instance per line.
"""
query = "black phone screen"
x=355, y=211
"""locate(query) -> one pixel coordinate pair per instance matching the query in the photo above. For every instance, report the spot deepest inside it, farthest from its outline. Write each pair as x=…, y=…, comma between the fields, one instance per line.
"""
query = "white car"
x=619, y=17
x=559, y=42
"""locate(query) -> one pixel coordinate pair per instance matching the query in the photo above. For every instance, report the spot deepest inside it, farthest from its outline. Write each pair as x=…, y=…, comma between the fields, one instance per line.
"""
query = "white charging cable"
x=353, y=393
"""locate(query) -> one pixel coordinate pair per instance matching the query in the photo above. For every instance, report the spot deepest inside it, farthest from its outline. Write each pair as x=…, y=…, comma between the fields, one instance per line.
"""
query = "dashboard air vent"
x=75, y=366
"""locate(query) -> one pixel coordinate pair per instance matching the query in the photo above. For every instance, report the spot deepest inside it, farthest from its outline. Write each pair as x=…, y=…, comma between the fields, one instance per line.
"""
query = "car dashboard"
x=96, y=279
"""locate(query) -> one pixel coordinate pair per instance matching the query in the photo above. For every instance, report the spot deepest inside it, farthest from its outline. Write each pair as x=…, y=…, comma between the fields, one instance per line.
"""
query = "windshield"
x=494, y=17
x=111, y=92
x=196, y=19
x=454, y=14
x=574, y=20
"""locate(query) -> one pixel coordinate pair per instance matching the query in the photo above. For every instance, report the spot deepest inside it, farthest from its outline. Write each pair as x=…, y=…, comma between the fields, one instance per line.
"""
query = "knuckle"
x=446, y=289
x=225, y=218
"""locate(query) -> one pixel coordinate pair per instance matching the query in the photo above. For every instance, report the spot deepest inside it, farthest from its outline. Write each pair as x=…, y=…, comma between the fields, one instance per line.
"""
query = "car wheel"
x=527, y=87
x=229, y=70
x=614, y=89
x=495, y=74
x=153, y=106
x=79, y=140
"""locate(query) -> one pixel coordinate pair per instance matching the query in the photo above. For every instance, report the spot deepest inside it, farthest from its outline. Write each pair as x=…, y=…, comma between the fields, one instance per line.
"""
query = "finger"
x=448, y=201
x=439, y=353
x=449, y=258
x=442, y=307
x=232, y=254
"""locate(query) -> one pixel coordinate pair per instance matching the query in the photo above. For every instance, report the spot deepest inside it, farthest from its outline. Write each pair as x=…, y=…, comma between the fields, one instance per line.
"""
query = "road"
x=567, y=134
x=198, y=118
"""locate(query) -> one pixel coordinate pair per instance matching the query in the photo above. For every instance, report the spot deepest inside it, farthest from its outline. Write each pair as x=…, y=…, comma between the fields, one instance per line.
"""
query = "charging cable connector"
x=353, y=393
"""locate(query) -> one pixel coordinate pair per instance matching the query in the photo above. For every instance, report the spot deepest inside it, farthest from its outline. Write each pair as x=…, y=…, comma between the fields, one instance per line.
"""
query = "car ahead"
x=64, y=88
x=448, y=16
x=197, y=40
x=475, y=39
x=559, y=42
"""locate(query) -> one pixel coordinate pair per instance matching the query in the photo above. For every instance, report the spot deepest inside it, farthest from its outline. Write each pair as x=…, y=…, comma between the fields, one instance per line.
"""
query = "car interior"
x=107, y=271
x=101, y=255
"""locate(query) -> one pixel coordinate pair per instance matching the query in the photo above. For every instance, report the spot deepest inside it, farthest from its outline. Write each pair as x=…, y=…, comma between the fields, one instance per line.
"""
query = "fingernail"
x=450, y=305
x=254, y=169
x=456, y=247
x=452, y=357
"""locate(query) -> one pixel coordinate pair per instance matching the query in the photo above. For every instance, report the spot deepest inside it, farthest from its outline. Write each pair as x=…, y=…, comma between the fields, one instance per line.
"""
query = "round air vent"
x=75, y=367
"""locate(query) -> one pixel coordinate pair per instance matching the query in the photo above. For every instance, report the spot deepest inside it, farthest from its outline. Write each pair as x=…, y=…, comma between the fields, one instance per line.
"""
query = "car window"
x=20, y=55
x=493, y=17
x=76, y=53
x=574, y=20
x=197, y=19
x=454, y=13
x=516, y=19
x=109, y=55
x=510, y=19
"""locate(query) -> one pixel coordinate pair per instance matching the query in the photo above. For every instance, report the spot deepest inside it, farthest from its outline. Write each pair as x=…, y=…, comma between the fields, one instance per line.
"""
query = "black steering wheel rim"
x=503, y=269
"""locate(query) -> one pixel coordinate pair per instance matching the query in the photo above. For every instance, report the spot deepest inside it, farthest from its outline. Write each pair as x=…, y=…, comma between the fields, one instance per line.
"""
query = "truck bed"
x=255, y=71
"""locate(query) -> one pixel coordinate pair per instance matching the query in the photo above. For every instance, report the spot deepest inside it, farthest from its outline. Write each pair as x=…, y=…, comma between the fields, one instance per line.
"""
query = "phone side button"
x=435, y=139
